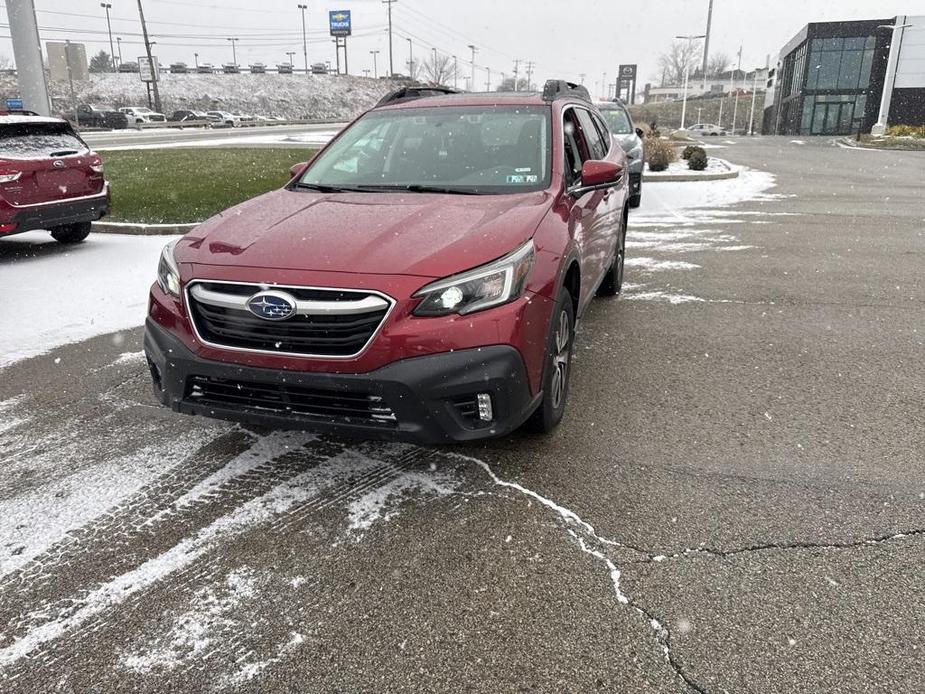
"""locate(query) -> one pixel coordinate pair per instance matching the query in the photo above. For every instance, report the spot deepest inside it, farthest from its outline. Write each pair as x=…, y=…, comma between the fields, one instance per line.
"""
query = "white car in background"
x=221, y=119
x=142, y=114
x=703, y=129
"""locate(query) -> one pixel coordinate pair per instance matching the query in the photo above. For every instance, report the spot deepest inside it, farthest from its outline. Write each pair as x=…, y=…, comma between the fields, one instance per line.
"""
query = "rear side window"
x=38, y=141
x=598, y=149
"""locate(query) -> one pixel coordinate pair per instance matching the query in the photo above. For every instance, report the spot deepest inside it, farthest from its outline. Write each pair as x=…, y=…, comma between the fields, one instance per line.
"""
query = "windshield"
x=466, y=149
x=618, y=121
x=38, y=141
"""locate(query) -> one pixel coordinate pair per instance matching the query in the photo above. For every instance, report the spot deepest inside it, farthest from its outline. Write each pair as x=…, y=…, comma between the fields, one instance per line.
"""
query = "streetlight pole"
x=706, y=46
x=291, y=55
x=304, y=39
x=687, y=71
x=389, y=3
x=410, y=59
x=735, y=102
x=112, y=54
x=488, y=82
x=474, y=51
x=195, y=60
x=375, y=68
x=455, y=72
x=751, y=114
x=234, y=54
x=119, y=44
x=144, y=32
x=883, y=116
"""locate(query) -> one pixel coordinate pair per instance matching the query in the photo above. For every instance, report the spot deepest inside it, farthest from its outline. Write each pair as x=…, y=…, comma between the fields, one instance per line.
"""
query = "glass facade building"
x=830, y=78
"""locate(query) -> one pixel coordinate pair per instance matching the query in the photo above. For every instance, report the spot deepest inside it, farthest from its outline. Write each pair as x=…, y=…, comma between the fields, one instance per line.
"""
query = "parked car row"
x=228, y=68
x=106, y=116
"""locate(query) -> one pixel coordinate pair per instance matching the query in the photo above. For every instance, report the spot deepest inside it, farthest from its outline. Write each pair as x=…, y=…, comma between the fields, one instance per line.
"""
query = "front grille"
x=324, y=334
x=291, y=400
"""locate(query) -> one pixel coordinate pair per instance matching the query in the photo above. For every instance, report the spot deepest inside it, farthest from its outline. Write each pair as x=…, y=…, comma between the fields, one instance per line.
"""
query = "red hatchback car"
x=420, y=278
x=49, y=179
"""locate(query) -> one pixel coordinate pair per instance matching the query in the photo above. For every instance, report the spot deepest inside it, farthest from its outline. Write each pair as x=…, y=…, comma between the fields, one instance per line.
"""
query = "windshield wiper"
x=424, y=188
x=331, y=189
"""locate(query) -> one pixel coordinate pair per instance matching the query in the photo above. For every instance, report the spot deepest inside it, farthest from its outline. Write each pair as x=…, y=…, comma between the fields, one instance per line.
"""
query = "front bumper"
x=425, y=399
x=45, y=216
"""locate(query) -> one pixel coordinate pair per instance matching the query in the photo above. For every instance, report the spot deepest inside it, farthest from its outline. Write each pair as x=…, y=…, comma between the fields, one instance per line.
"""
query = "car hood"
x=426, y=235
x=628, y=141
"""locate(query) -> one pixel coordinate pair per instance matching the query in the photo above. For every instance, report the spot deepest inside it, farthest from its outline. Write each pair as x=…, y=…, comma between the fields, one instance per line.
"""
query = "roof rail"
x=553, y=89
x=414, y=92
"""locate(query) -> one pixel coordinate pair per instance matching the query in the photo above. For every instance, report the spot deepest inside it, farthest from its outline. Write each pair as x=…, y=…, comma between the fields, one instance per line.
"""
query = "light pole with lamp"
x=474, y=50
x=119, y=44
x=687, y=70
x=374, y=54
x=410, y=59
x=455, y=72
x=234, y=53
x=304, y=40
x=112, y=54
x=889, y=80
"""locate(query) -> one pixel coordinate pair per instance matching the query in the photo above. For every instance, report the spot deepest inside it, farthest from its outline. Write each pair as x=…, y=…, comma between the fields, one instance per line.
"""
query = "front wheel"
x=557, y=366
x=71, y=233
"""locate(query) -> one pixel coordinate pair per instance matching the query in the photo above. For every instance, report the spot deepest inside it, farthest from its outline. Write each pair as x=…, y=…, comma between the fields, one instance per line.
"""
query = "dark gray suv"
x=630, y=138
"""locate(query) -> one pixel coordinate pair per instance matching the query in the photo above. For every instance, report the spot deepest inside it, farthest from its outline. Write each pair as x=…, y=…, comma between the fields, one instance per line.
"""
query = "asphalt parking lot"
x=734, y=503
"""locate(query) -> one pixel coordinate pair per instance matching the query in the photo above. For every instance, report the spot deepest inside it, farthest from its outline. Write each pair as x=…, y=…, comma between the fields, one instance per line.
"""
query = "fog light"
x=7, y=227
x=485, y=412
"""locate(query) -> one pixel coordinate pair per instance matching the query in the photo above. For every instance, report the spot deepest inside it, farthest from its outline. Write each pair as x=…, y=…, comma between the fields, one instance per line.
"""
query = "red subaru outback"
x=419, y=279
x=49, y=179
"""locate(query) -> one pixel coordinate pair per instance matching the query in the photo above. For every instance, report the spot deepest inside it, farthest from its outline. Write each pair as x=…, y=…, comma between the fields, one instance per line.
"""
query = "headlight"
x=490, y=285
x=168, y=274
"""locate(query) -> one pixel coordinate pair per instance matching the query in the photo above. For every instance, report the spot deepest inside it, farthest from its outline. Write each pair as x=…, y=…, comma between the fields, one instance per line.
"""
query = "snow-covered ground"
x=94, y=288
x=262, y=137
x=290, y=96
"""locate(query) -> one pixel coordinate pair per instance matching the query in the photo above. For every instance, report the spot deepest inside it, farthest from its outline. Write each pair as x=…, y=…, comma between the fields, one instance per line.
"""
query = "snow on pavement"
x=74, y=292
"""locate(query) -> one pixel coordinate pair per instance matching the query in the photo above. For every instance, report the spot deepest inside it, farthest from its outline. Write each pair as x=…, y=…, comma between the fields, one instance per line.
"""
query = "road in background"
x=735, y=501
x=275, y=136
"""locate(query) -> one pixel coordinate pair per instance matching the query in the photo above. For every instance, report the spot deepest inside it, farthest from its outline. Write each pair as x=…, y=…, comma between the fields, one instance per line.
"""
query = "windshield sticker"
x=521, y=178
x=523, y=169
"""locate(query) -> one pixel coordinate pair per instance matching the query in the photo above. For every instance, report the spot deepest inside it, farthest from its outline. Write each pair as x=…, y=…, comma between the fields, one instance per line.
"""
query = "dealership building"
x=832, y=77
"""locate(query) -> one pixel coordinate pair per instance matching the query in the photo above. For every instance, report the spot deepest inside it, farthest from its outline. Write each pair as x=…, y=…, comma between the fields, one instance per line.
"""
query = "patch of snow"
x=664, y=297
x=654, y=265
x=8, y=418
x=130, y=357
x=96, y=287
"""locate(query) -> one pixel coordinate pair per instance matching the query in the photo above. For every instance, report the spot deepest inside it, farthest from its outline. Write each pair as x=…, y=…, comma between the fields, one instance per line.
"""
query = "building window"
x=840, y=63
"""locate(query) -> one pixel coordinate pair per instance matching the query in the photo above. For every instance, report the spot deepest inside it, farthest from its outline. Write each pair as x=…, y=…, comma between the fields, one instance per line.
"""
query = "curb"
x=733, y=172
x=142, y=229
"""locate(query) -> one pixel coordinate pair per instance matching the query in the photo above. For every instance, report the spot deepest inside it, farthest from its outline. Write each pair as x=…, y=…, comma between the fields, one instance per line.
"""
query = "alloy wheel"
x=560, y=360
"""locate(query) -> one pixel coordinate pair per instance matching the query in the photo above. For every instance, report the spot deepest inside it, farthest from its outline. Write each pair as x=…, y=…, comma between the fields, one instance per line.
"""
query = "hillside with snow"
x=289, y=96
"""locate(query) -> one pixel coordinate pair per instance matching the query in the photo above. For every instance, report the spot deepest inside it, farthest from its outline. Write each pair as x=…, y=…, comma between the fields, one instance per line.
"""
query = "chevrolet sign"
x=339, y=21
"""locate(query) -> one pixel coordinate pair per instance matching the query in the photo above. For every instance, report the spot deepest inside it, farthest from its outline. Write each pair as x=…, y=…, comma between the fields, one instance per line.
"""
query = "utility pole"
x=234, y=54
x=516, y=72
x=687, y=71
x=195, y=60
x=390, y=3
x=474, y=51
x=144, y=32
x=112, y=54
x=735, y=108
x=304, y=40
x=706, y=46
x=410, y=59
x=488, y=82
x=529, y=70
x=375, y=67
x=582, y=76
x=119, y=44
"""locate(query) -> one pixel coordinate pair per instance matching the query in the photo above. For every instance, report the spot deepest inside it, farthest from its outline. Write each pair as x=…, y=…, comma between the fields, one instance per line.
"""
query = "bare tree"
x=507, y=85
x=683, y=55
x=718, y=64
x=440, y=71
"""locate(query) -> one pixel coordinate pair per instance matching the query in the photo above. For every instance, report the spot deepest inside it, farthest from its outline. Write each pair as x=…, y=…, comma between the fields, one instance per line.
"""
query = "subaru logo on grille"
x=58, y=164
x=272, y=305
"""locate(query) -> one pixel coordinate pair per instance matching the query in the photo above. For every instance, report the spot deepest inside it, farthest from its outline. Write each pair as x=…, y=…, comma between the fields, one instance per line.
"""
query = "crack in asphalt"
x=586, y=537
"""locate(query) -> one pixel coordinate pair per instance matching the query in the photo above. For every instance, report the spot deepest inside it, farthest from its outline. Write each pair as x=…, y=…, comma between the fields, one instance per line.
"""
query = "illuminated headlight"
x=490, y=285
x=168, y=275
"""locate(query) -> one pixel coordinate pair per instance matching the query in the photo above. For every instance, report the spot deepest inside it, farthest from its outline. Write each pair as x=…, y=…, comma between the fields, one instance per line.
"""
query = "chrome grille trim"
x=302, y=308
x=257, y=287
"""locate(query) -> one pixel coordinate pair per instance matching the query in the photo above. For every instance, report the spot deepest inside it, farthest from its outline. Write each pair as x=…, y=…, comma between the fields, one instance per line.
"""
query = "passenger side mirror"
x=596, y=173
x=297, y=170
x=640, y=133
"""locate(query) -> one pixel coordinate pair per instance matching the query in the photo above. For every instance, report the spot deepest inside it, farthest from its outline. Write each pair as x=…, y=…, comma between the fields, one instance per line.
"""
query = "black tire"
x=557, y=367
x=636, y=200
x=71, y=233
x=612, y=283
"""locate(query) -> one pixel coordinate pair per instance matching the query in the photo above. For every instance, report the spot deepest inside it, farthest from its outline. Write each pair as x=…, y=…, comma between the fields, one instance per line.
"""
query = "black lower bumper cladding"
x=47, y=216
x=429, y=399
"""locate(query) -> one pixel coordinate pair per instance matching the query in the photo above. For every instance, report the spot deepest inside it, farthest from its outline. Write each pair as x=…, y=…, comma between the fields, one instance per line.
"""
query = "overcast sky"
x=564, y=38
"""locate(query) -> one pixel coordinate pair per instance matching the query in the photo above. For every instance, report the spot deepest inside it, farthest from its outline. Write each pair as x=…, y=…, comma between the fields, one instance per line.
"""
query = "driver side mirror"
x=596, y=173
